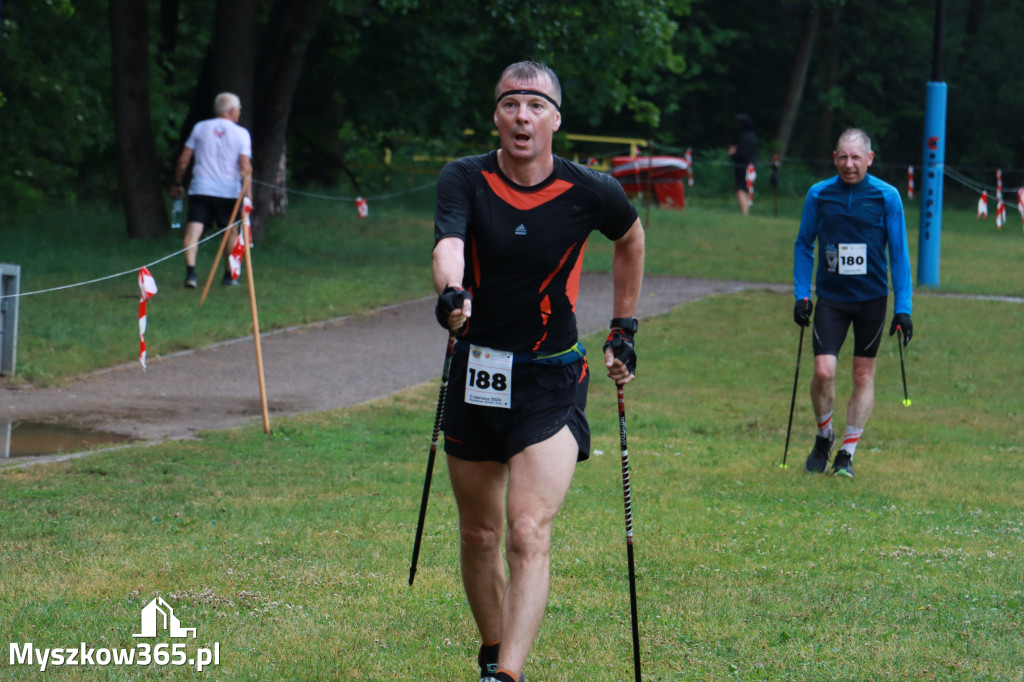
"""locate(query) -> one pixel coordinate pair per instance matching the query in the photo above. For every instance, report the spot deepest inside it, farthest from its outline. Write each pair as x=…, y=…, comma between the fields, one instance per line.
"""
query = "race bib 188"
x=489, y=377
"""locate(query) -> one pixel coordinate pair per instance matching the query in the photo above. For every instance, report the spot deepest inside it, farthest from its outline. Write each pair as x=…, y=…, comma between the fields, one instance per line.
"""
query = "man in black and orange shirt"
x=511, y=227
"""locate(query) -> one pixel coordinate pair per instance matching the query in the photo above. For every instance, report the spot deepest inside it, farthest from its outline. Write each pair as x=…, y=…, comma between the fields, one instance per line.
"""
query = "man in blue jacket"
x=858, y=223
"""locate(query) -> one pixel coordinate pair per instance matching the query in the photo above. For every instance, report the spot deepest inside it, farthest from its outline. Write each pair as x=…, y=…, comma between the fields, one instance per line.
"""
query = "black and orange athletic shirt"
x=524, y=246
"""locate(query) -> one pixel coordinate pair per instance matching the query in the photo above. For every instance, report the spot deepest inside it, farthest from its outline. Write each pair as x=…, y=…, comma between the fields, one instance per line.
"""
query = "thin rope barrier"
x=948, y=171
x=216, y=234
x=975, y=185
x=120, y=274
x=332, y=197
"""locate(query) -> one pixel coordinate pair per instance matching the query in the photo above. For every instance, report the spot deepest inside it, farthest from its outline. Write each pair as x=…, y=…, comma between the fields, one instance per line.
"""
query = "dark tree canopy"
x=327, y=83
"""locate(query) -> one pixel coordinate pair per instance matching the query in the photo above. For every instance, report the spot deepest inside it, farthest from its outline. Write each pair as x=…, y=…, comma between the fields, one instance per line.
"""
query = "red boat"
x=664, y=175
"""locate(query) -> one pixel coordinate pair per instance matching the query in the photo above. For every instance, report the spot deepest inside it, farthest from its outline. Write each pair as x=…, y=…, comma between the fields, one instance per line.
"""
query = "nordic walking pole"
x=629, y=532
x=255, y=319
x=433, y=453
x=792, y=403
x=224, y=241
x=903, y=369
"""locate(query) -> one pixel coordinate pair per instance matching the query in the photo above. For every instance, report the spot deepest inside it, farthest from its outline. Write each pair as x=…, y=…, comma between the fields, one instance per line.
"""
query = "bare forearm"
x=182, y=165
x=448, y=263
x=628, y=271
x=245, y=168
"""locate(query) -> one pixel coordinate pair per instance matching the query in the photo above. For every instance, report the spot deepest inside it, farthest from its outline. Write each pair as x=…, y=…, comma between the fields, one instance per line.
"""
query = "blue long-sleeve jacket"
x=854, y=226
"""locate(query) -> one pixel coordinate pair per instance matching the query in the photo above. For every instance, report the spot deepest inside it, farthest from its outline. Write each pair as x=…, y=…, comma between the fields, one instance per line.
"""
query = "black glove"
x=621, y=342
x=450, y=299
x=802, y=312
x=902, y=320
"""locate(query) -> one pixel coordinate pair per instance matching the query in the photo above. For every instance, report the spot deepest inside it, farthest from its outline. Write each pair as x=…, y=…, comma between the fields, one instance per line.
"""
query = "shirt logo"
x=521, y=231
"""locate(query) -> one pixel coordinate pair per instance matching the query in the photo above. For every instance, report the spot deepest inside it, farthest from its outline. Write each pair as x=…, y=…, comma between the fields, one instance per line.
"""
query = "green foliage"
x=56, y=120
x=173, y=78
x=406, y=74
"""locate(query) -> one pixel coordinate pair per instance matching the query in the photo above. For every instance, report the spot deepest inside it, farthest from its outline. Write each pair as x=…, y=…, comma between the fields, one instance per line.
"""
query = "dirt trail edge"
x=312, y=368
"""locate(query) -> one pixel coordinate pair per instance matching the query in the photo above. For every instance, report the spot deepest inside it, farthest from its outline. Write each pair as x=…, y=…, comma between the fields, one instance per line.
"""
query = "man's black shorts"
x=206, y=209
x=544, y=399
x=832, y=320
x=739, y=178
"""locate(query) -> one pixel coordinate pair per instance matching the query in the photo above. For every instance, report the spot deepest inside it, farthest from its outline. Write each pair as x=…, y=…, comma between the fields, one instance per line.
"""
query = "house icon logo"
x=157, y=615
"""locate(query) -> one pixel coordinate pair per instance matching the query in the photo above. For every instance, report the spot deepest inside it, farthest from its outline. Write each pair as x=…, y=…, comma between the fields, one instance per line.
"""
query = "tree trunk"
x=826, y=122
x=234, y=54
x=228, y=65
x=168, y=41
x=289, y=31
x=797, y=80
x=137, y=165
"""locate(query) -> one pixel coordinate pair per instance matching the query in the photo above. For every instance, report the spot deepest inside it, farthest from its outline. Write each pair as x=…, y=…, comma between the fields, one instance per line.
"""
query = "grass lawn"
x=291, y=552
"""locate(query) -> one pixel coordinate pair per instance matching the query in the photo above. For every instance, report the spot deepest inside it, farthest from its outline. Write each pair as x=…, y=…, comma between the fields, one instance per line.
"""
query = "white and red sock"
x=850, y=439
x=824, y=425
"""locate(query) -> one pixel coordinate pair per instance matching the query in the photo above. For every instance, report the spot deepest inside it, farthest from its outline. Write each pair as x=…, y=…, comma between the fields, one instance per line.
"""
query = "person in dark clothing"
x=743, y=154
x=510, y=229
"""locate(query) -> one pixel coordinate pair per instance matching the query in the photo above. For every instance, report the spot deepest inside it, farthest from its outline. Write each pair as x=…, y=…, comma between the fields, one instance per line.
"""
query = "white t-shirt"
x=217, y=143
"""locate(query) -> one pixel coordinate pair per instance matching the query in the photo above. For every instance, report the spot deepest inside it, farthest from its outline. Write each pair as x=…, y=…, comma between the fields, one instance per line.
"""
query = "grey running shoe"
x=817, y=461
x=843, y=464
x=190, y=281
x=501, y=677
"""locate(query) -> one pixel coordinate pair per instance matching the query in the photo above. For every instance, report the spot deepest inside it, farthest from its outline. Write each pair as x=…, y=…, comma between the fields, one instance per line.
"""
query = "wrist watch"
x=626, y=324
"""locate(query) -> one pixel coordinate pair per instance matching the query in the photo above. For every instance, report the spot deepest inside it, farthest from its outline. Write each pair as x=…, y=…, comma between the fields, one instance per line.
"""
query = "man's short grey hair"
x=530, y=71
x=855, y=135
x=225, y=102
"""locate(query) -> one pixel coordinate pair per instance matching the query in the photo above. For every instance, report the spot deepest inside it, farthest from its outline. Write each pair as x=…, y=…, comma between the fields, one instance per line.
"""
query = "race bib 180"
x=853, y=259
x=489, y=377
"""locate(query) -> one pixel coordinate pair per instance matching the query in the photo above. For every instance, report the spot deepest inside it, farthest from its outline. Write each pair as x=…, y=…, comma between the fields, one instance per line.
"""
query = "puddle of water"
x=35, y=439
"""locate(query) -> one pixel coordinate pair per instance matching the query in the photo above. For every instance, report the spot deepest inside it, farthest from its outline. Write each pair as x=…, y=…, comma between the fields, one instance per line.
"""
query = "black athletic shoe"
x=228, y=281
x=190, y=281
x=487, y=659
x=843, y=464
x=817, y=461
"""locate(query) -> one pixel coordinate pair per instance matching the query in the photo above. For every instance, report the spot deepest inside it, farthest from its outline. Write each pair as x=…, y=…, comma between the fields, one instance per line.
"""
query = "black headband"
x=528, y=92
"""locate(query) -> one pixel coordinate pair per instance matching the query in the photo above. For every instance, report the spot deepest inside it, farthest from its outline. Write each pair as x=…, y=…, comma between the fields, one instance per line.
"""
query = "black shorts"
x=206, y=209
x=739, y=178
x=544, y=399
x=832, y=320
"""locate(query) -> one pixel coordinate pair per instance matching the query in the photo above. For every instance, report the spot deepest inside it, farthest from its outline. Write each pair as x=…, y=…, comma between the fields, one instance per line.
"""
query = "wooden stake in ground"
x=650, y=184
x=247, y=231
x=224, y=242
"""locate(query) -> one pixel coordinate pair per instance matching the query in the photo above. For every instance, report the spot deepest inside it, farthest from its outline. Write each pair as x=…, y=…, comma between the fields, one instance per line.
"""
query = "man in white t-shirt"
x=223, y=157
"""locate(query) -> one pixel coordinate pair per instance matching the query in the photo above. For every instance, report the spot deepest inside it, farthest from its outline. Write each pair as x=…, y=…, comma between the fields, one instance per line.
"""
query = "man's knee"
x=529, y=538
x=863, y=372
x=823, y=375
x=477, y=537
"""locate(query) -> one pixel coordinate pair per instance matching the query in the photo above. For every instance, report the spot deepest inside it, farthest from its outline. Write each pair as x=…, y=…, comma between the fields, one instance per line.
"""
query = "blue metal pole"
x=934, y=163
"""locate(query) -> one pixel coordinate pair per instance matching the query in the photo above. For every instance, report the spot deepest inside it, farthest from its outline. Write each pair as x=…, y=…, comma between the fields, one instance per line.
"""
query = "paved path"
x=312, y=368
